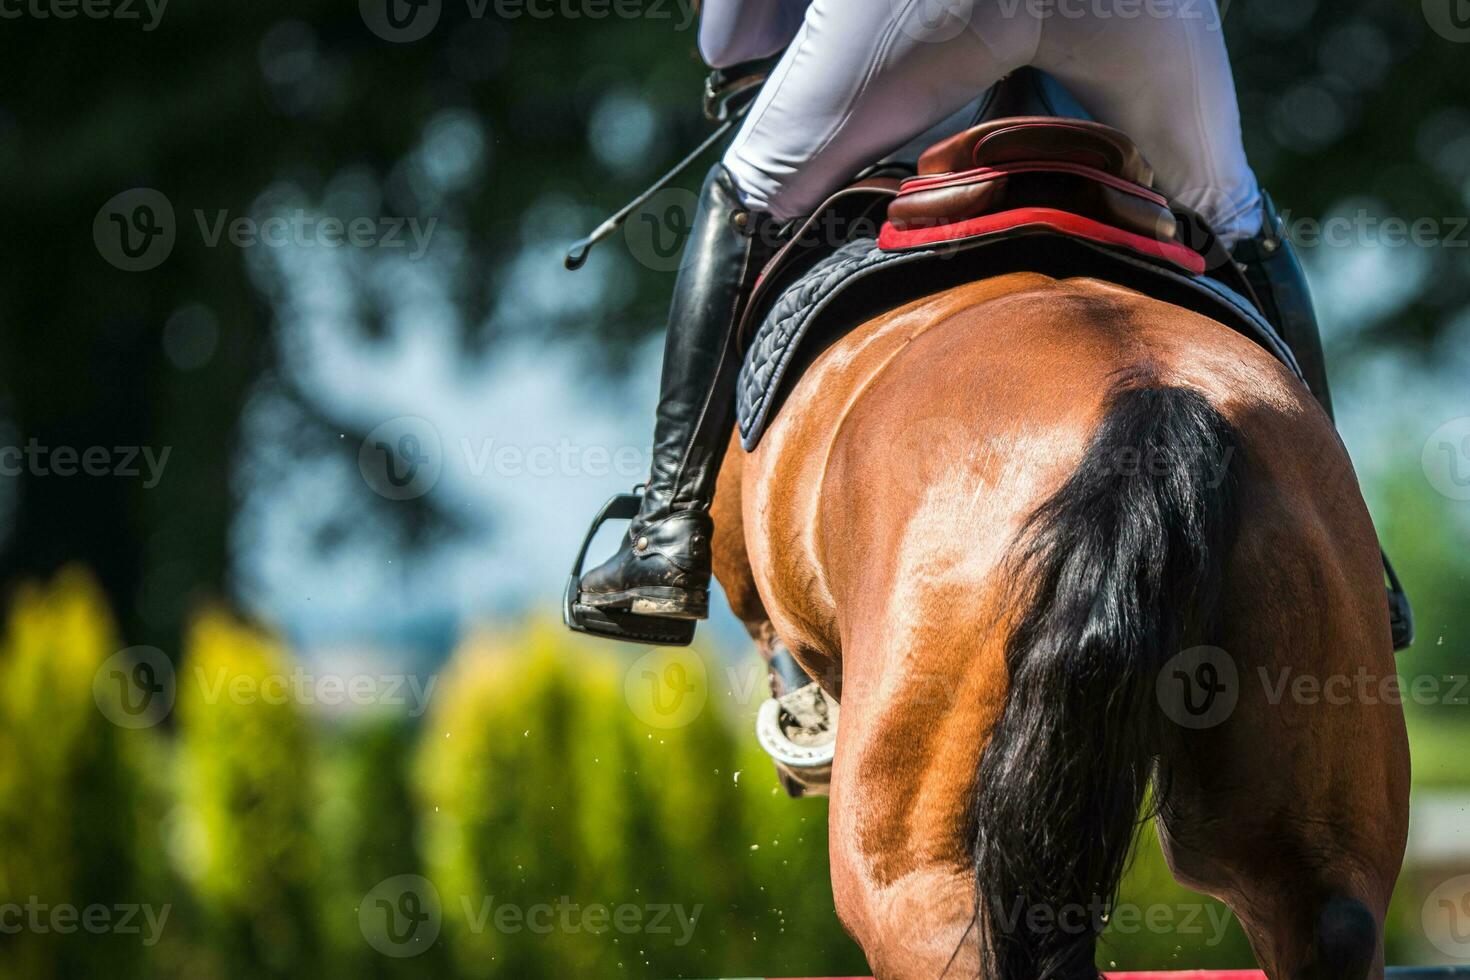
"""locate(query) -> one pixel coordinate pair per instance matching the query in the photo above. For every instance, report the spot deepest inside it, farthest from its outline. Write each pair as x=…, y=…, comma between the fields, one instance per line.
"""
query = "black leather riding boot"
x=663, y=566
x=1272, y=269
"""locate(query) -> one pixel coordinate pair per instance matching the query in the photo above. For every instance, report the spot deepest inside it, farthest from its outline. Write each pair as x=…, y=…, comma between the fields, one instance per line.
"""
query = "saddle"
x=1066, y=176
x=1033, y=185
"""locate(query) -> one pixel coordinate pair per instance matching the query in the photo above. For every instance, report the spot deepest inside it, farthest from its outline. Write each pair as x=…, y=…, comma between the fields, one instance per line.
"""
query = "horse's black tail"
x=1122, y=565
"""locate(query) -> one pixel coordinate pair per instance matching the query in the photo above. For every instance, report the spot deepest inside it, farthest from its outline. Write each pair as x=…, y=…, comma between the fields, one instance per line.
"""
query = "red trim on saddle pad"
x=1042, y=220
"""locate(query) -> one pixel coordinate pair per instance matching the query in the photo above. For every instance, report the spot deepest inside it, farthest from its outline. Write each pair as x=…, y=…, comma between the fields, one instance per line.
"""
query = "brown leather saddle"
x=1065, y=176
x=1032, y=165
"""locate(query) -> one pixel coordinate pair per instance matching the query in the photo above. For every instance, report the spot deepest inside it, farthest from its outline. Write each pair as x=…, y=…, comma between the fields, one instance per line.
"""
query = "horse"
x=1000, y=524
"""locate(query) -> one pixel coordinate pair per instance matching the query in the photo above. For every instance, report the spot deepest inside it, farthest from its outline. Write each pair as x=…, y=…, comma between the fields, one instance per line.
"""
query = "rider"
x=856, y=81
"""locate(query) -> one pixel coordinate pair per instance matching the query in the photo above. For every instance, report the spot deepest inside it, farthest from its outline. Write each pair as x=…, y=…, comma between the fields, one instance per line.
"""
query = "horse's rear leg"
x=1293, y=806
x=918, y=705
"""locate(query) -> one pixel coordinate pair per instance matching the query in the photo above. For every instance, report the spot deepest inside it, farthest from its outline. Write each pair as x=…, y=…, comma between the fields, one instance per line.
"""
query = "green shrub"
x=555, y=771
x=243, y=837
x=72, y=789
x=367, y=825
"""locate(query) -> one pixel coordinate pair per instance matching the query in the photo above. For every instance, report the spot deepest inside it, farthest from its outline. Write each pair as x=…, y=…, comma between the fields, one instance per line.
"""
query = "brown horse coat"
x=871, y=530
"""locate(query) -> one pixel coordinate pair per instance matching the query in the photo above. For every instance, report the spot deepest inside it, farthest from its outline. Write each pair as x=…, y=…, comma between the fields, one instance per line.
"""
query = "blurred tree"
x=73, y=789
x=551, y=776
x=368, y=827
x=245, y=788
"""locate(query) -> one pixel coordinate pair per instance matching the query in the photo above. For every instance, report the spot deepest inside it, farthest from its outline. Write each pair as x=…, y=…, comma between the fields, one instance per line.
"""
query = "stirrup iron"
x=618, y=624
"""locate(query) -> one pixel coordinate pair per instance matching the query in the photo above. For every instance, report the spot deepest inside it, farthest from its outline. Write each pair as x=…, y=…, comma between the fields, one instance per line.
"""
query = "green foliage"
x=548, y=780
x=554, y=787
x=1159, y=924
x=244, y=784
x=368, y=827
x=72, y=791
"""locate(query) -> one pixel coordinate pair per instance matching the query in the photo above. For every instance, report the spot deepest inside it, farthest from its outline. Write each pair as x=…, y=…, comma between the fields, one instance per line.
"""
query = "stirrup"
x=616, y=624
x=1400, y=615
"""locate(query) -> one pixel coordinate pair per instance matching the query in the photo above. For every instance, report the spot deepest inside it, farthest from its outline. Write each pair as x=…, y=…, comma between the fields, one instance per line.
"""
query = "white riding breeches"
x=862, y=77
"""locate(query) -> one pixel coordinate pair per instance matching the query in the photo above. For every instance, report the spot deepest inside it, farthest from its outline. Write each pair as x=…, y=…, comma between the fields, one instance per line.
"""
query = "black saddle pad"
x=859, y=281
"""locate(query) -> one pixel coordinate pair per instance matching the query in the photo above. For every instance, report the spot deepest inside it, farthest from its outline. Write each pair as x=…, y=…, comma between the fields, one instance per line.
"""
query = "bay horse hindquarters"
x=986, y=520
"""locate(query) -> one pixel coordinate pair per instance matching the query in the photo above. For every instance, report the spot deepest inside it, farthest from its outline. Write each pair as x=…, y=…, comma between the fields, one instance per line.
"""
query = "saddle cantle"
x=1038, y=174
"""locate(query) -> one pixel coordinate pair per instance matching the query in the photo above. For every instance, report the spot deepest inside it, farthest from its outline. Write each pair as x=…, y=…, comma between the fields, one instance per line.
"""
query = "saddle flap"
x=1031, y=139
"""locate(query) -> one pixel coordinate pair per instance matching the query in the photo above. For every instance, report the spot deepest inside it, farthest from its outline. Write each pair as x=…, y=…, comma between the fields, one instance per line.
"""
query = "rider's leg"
x=1164, y=78
x=663, y=565
x=858, y=81
x=855, y=83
